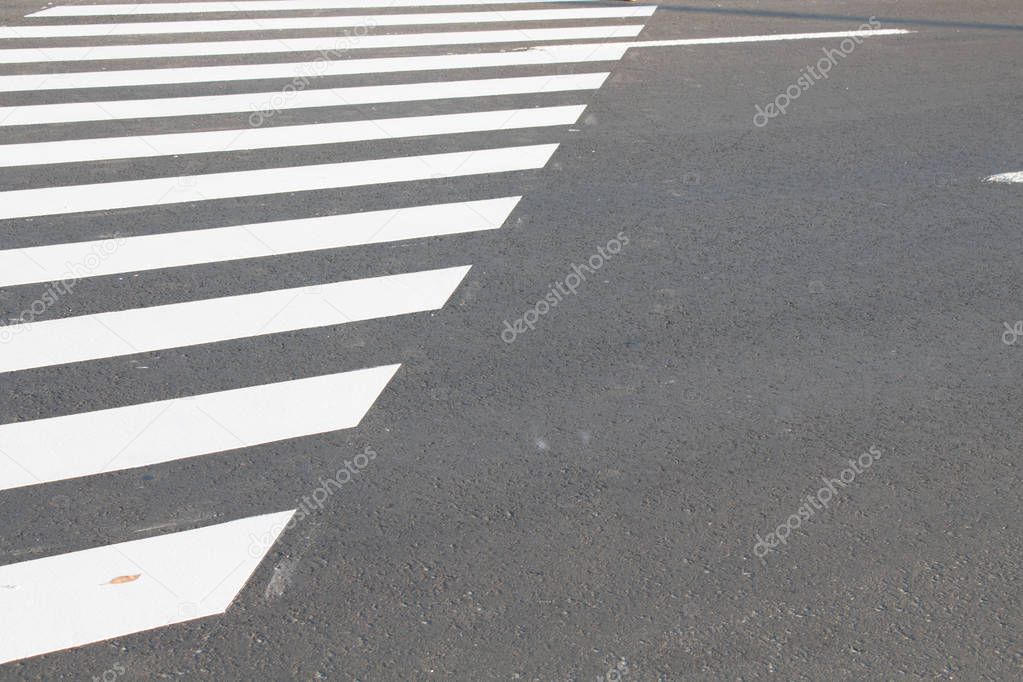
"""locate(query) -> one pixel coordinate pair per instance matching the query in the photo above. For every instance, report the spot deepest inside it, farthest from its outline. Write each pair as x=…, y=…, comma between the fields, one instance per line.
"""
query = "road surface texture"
x=346, y=340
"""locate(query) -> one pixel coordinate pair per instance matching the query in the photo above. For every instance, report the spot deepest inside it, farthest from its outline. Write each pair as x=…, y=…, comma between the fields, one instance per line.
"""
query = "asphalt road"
x=585, y=501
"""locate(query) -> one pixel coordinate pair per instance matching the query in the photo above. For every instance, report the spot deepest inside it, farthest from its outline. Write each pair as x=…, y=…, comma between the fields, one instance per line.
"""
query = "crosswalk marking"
x=266, y=101
x=90, y=443
x=233, y=140
x=539, y=56
x=115, y=590
x=349, y=21
x=73, y=599
x=141, y=330
x=262, y=6
x=150, y=252
x=81, y=597
x=38, y=55
x=193, y=188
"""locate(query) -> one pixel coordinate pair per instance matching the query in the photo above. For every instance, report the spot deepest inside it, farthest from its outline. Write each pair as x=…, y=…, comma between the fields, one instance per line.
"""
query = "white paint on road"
x=82, y=597
x=72, y=112
x=91, y=443
x=37, y=55
x=1006, y=177
x=96, y=594
x=682, y=42
x=141, y=330
x=250, y=138
x=368, y=21
x=537, y=56
x=176, y=249
x=193, y=188
x=262, y=6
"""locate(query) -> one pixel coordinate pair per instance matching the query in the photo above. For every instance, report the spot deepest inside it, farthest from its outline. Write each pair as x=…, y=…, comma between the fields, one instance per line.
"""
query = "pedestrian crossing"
x=141, y=330
x=233, y=140
x=157, y=124
x=78, y=80
x=279, y=45
x=258, y=6
x=111, y=110
x=108, y=196
x=103, y=592
x=165, y=431
x=167, y=156
x=254, y=240
x=105, y=30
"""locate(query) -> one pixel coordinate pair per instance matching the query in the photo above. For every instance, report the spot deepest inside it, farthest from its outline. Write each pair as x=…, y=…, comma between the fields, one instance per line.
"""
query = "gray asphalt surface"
x=589, y=496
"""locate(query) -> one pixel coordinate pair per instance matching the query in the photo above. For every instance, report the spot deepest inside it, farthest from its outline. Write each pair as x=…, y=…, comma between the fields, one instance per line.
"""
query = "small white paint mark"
x=284, y=575
x=177, y=522
x=1006, y=178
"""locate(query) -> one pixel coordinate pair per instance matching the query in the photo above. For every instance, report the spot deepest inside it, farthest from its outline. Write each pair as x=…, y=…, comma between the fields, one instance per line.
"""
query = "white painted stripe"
x=141, y=330
x=188, y=188
x=275, y=101
x=261, y=6
x=537, y=56
x=1006, y=177
x=82, y=597
x=176, y=249
x=873, y=33
x=292, y=23
x=91, y=443
x=224, y=141
x=36, y=55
